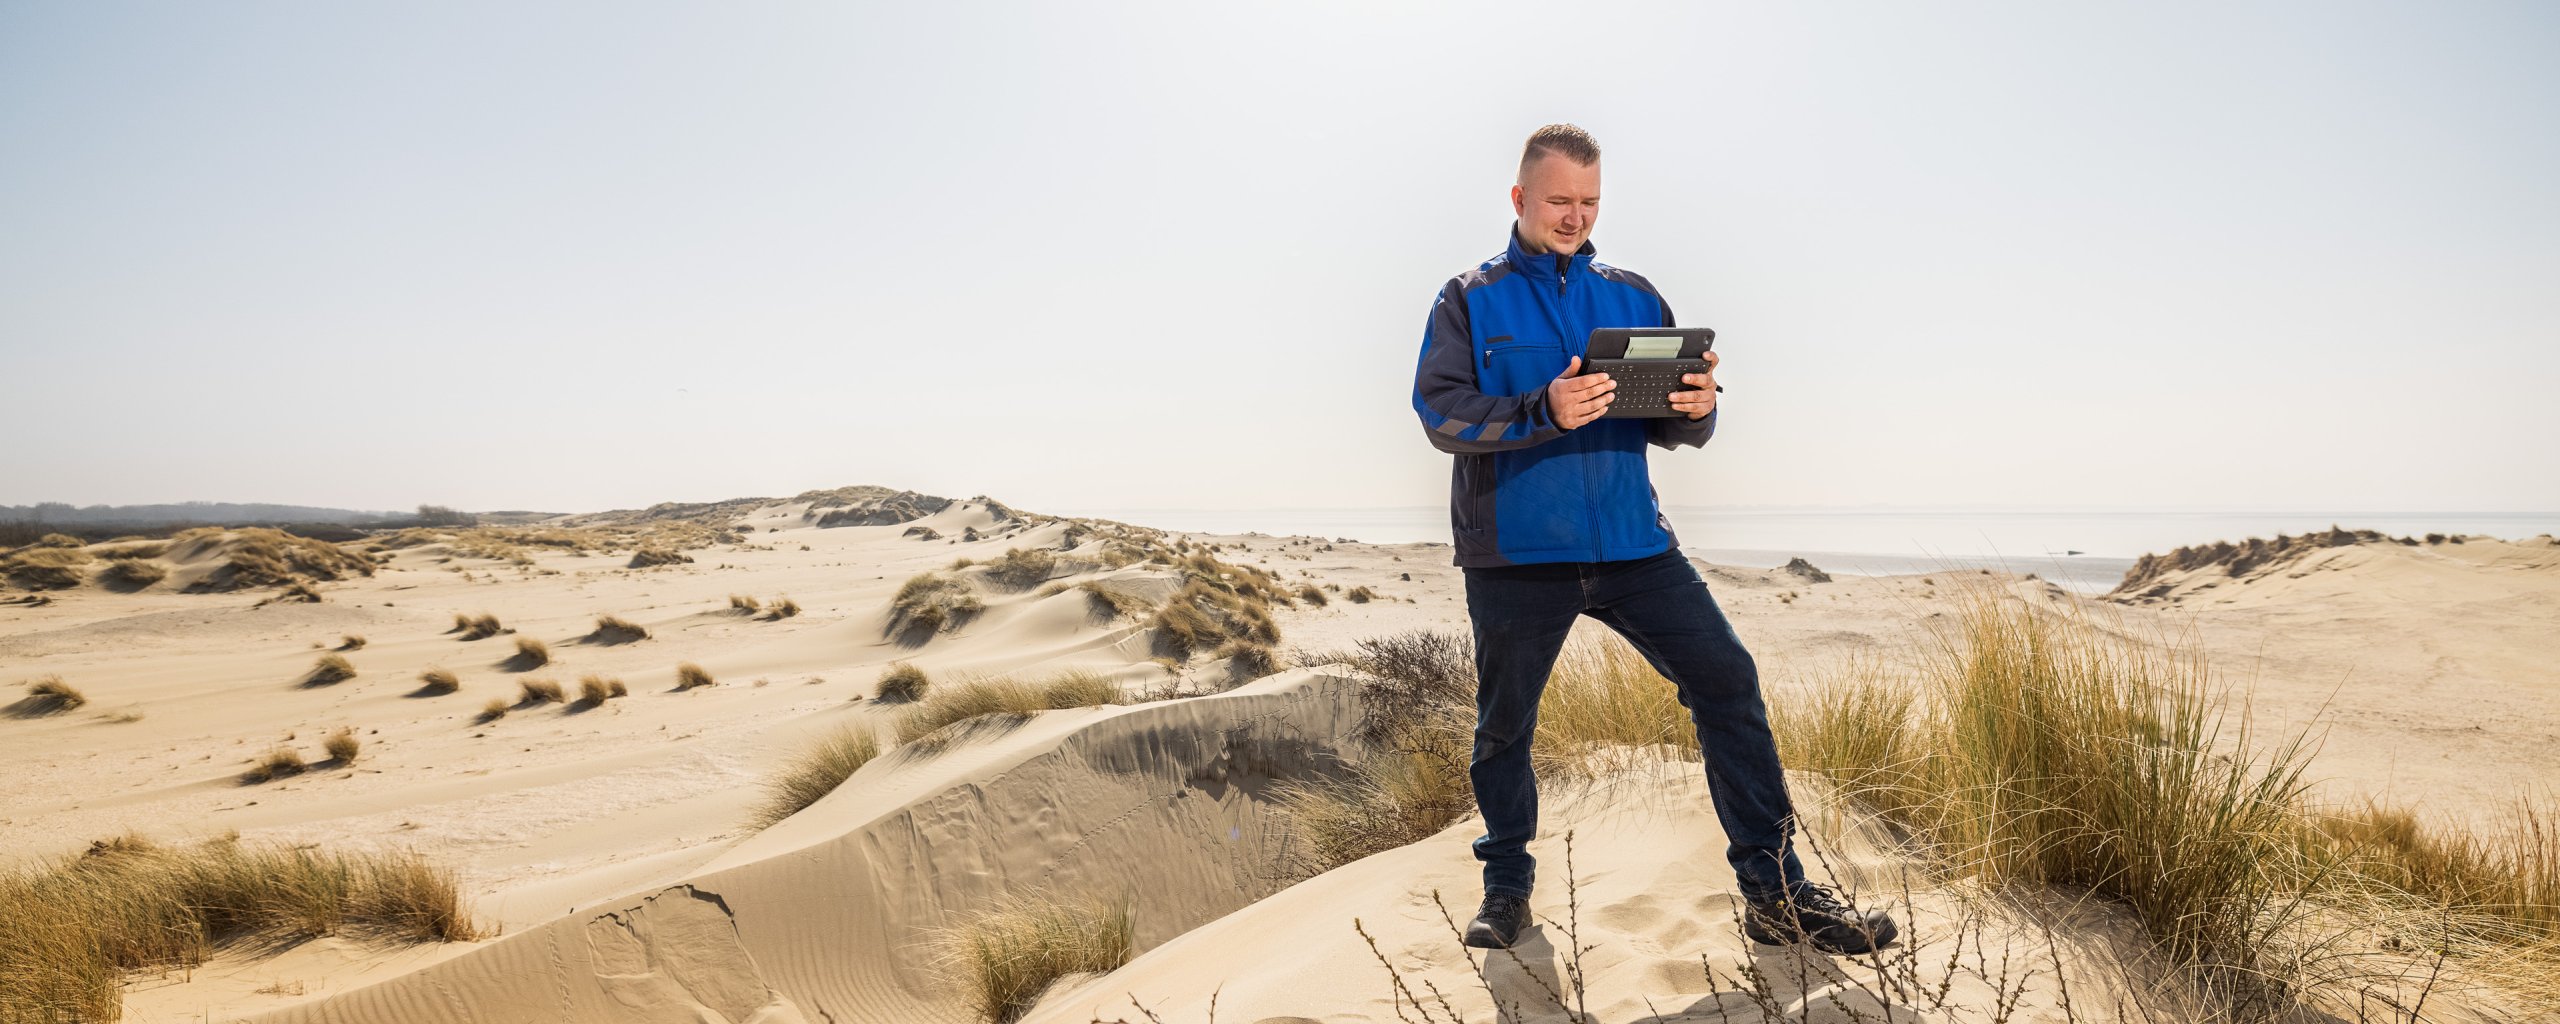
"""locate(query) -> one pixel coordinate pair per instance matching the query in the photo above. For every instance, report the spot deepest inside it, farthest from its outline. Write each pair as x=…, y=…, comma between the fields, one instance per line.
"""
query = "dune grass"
x=1004, y=954
x=530, y=654
x=496, y=709
x=331, y=668
x=1004, y=696
x=690, y=675
x=903, y=683
x=351, y=642
x=614, y=629
x=48, y=695
x=71, y=929
x=478, y=627
x=342, y=745
x=540, y=691
x=1204, y=615
x=930, y=603
x=595, y=689
x=815, y=772
x=133, y=573
x=1022, y=568
x=781, y=608
x=436, y=680
x=744, y=605
x=1108, y=604
x=276, y=763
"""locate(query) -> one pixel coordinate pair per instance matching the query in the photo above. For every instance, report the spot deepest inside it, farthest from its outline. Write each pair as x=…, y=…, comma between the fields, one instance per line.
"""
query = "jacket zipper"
x=1590, y=505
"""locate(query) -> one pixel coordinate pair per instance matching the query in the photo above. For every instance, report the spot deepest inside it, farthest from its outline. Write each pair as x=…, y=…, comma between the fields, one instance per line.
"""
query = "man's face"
x=1557, y=201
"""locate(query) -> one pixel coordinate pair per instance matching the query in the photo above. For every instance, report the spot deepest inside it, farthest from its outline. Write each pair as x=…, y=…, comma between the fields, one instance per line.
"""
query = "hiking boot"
x=1498, y=922
x=1814, y=915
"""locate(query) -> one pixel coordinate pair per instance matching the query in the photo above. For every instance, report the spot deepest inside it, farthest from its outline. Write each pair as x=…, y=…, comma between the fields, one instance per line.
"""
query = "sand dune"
x=610, y=843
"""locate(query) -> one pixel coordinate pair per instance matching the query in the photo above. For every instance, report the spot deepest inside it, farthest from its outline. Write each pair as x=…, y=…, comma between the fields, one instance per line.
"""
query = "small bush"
x=537, y=691
x=690, y=675
x=437, y=680
x=342, y=746
x=816, y=772
x=530, y=654
x=744, y=605
x=332, y=668
x=274, y=764
x=903, y=683
x=614, y=629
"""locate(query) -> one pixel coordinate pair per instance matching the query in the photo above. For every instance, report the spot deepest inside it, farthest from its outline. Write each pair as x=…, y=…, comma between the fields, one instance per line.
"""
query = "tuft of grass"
x=496, y=709
x=1005, y=954
x=1360, y=595
x=134, y=573
x=479, y=627
x=1202, y=616
x=930, y=603
x=783, y=608
x=276, y=763
x=342, y=745
x=351, y=642
x=1007, y=697
x=47, y=695
x=594, y=690
x=538, y=691
x=649, y=556
x=1250, y=658
x=903, y=683
x=331, y=668
x=744, y=605
x=1022, y=568
x=816, y=772
x=44, y=568
x=690, y=675
x=1108, y=604
x=614, y=629
x=1313, y=595
x=530, y=654
x=72, y=929
x=437, y=680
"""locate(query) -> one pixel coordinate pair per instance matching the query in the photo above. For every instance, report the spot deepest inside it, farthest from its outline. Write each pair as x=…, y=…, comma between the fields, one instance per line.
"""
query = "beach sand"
x=609, y=846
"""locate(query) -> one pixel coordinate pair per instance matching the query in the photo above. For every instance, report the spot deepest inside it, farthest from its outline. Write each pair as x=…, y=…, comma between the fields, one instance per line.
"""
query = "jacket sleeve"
x=1456, y=417
x=1673, y=431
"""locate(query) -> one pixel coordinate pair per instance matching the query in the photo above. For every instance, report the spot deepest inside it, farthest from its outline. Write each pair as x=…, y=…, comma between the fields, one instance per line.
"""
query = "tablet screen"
x=1639, y=347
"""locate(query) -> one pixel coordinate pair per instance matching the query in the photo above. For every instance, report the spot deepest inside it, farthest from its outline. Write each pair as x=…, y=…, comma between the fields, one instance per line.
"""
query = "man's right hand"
x=1573, y=401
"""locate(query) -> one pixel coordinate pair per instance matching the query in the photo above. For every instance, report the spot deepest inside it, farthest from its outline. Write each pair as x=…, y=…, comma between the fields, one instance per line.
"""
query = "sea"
x=2086, y=550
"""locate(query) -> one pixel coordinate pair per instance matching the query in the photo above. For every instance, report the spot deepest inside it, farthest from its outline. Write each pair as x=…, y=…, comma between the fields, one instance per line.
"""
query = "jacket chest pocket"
x=1509, y=365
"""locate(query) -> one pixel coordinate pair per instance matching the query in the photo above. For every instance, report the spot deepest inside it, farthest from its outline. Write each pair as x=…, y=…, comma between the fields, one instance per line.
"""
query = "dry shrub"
x=331, y=668
x=1005, y=954
x=816, y=772
x=1005, y=697
x=538, y=691
x=690, y=675
x=903, y=683
x=436, y=680
x=614, y=629
x=351, y=642
x=479, y=627
x=1360, y=595
x=1253, y=659
x=594, y=690
x=1418, y=721
x=744, y=605
x=496, y=709
x=782, y=608
x=649, y=556
x=1311, y=594
x=71, y=929
x=342, y=745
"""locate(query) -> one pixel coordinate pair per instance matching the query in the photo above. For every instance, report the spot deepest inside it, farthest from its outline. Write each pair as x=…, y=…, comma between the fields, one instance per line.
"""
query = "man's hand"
x=1573, y=401
x=1697, y=404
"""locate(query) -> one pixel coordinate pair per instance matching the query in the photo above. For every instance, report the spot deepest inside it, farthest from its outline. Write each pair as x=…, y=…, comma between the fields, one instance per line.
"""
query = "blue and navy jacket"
x=1524, y=490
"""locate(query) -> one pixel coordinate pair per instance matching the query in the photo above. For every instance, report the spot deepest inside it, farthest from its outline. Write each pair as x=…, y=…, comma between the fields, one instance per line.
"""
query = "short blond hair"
x=1564, y=140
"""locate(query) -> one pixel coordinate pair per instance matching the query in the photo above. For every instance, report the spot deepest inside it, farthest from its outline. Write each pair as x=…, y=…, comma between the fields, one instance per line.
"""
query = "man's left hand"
x=1697, y=404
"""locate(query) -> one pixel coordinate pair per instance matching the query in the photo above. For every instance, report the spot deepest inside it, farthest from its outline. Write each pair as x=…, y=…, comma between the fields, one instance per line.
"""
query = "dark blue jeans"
x=1522, y=614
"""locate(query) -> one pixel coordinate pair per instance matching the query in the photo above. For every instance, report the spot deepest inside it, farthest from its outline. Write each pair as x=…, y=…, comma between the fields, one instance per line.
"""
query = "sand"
x=611, y=849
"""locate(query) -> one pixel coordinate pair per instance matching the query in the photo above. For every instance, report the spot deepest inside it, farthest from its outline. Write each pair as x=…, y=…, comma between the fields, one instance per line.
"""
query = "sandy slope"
x=599, y=838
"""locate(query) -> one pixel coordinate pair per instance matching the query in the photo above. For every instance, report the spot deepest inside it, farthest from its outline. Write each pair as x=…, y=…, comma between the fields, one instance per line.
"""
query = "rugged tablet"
x=1646, y=363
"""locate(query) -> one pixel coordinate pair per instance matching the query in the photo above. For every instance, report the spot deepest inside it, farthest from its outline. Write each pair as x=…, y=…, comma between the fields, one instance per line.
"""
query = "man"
x=1555, y=517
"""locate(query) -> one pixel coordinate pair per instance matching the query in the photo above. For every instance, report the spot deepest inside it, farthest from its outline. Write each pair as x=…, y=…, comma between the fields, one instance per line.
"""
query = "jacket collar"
x=1547, y=266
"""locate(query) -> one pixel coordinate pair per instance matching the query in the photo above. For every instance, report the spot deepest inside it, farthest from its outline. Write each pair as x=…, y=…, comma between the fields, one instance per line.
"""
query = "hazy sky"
x=574, y=257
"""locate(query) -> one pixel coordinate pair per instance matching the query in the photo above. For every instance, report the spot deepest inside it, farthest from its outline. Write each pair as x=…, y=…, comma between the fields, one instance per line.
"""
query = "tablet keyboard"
x=1645, y=385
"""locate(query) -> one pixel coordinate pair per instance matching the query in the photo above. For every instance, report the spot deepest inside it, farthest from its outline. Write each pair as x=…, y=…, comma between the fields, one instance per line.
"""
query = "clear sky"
x=580, y=256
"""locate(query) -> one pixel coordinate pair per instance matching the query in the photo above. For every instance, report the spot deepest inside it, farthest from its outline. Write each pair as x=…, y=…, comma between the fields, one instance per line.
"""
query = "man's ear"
x=1517, y=210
